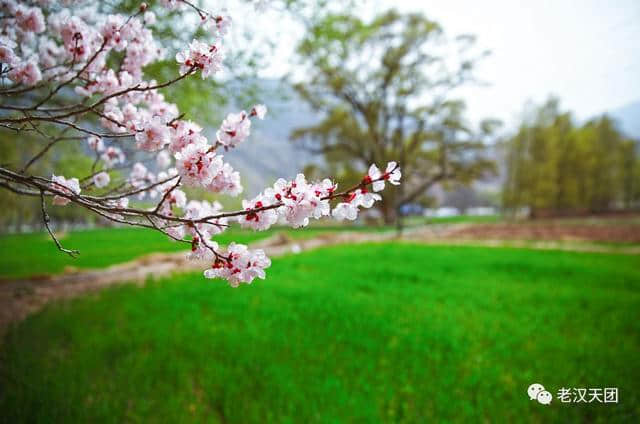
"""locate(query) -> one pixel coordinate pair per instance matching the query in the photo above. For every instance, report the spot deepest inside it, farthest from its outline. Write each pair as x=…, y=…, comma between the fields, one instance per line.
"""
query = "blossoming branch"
x=70, y=71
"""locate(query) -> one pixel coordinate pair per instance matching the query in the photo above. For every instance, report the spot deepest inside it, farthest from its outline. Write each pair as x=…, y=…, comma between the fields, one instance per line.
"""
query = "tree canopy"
x=385, y=90
x=555, y=167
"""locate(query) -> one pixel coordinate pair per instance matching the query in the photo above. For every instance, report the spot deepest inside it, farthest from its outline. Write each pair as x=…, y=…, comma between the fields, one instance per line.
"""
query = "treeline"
x=554, y=167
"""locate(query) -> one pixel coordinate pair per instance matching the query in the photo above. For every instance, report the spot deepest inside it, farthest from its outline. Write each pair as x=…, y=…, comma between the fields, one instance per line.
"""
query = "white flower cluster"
x=288, y=202
x=68, y=187
x=205, y=57
x=362, y=197
x=242, y=266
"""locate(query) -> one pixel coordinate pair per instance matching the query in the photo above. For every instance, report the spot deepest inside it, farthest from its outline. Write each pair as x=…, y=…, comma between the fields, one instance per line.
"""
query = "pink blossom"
x=7, y=55
x=325, y=187
x=348, y=209
x=149, y=18
x=121, y=203
x=139, y=175
x=345, y=210
x=261, y=220
x=101, y=179
x=202, y=249
x=95, y=143
x=167, y=111
x=129, y=115
x=154, y=135
x=169, y=182
x=392, y=174
x=218, y=24
x=69, y=187
x=171, y=4
x=176, y=232
x=234, y=129
x=197, y=165
x=243, y=267
x=80, y=40
x=259, y=111
x=27, y=73
x=50, y=53
x=141, y=48
x=373, y=175
x=226, y=181
x=199, y=55
x=30, y=19
x=177, y=198
x=365, y=198
x=202, y=209
x=113, y=118
x=163, y=159
x=106, y=82
x=301, y=200
x=111, y=32
x=185, y=133
x=112, y=156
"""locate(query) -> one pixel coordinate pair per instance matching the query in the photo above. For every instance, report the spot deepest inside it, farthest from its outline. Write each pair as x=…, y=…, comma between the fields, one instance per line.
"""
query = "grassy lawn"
x=31, y=254
x=364, y=333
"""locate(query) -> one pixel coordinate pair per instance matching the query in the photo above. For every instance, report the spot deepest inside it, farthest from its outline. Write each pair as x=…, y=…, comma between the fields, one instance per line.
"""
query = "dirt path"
x=19, y=298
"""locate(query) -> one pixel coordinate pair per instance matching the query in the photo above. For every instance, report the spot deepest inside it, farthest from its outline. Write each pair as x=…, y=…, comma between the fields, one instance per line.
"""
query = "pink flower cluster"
x=101, y=57
x=29, y=19
x=242, y=266
x=63, y=44
x=362, y=197
x=112, y=156
x=101, y=179
x=219, y=24
x=68, y=187
x=205, y=57
x=288, y=202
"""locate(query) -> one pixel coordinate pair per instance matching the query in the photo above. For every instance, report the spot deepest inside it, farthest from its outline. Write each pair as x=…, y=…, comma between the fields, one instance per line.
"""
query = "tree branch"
x=45, y=218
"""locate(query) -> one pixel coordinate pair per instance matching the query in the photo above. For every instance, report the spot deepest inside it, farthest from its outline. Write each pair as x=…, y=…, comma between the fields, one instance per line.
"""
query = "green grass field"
x=33, y=254
x=30, y=254
x=362, y=333
x=23, y=255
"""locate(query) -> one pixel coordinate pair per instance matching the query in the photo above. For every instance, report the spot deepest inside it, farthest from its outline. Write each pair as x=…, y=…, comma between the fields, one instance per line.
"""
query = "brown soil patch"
x=555, y=231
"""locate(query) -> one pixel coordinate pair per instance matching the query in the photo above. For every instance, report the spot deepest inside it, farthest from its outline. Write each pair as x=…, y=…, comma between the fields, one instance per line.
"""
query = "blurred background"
x=508, y=256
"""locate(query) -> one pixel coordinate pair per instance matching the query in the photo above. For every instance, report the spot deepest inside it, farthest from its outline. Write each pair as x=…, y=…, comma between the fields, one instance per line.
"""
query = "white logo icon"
x=544, y=397
x=536, y=391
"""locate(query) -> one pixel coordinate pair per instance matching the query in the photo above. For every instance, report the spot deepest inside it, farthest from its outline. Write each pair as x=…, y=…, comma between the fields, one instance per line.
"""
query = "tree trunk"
x=388, y=213
x=398, y=203
x=399, y=222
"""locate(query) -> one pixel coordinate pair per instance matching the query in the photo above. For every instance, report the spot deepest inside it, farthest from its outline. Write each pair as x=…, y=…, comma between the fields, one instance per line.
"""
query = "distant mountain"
x=628, y=117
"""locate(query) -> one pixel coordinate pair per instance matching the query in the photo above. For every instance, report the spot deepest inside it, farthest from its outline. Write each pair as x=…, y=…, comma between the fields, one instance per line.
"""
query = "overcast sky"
x=587, y=52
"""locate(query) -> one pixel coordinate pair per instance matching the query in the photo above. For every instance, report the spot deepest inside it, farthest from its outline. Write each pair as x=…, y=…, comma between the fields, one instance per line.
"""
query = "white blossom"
x=205, y=57
x=243, y=267
x=69, y=186
x=234, y=129
x=101, y=179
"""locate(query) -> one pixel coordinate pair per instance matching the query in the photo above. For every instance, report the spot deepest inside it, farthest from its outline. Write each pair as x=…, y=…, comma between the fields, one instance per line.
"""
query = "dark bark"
x=388, y=212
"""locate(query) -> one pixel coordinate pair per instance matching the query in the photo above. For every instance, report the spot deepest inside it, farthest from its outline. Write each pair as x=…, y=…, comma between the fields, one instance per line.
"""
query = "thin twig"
x=45, y=218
